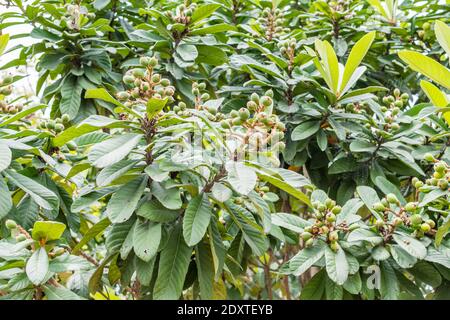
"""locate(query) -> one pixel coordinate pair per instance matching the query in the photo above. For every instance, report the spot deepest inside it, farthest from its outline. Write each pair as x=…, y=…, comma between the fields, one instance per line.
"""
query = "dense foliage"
x=226, y=149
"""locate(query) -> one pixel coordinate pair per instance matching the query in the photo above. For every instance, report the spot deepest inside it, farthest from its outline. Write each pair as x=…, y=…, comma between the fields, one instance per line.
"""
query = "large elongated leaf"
x=306, y=258
x=5, y=156
x=114, y=171
x=330, y=63
x=443, y=35
x=113, y=150
x=37, y=266
x=146, y=239
x=241, y=177
x=336, y=265
x=355, y=57
x=70, y=97
x=5, y=198
x=124, y=201
x=427, y=66
x=173, y=266
x=40, y=194
x=48, y=230
x=4, y=38
x=436, y=96
x=154, y=211
x=196, y=219
x=60, y=293
x=91, y=234
x=411, y=245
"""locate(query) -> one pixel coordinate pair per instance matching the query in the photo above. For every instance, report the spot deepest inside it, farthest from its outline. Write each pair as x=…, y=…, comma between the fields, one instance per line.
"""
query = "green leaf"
x=332, y=290
x=336, y=265
x=442, y=231
x=173, y=267
x=144, y=271
x=187, y=52
x=114, y=171
x=4, y=38
x=5, y=156
x=369, y=197
x=169, y=198
x=205, y=270
x=365, y=235
x=388, y=282
x=91, y=234
x=305, y=130
x=146, y=239
x=425, y=272
x=436, y=96
x=387, y=187
x=156, y=212
x=70, y=97
x=154, y=106
x=252, y=232
x=37, y=266
x=241, y=177
x=60, y=293
x=353, y=284
x=203, y=12
x=125, y=200
x=196, y=219
x=40, y=194
x=403, y=258
x=5, y=198
x=211, y=55
x=48, y=230
x=285, y=186
x=342, y=165
x=330, y=64
x=355, y=57
x=315, y=287
x=306, y=258
x=216, y=28
x=427, y=66
x=92, y=123
x=104, y=95
x=442, y=32
x=113, y=150
x=411, y=245
x=290, y=221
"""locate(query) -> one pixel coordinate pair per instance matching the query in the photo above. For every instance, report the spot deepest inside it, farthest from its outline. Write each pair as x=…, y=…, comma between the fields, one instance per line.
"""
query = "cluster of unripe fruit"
x=391, y=107
x=440, y=177
x=425, y=33
x=325, y=214
x=263, y=126
x=182, y=14
x=55, y=125
x=272, y=20
x=144, y=83
x=406, y=215
x=11, y=109
x=13, y=227
x=287, y=49
x=200, y=99
x=5, y=85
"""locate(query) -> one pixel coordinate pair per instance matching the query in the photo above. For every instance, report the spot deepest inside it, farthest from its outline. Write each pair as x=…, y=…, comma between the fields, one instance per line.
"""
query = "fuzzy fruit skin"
x=391, y=198
x=429, y=157
x=425, y=227
x=431, y=223
x=21, y=237
x=333, y=236
x=415, y=219
x=379, y=206
x=10, y=224
x=309, y=243
x=410, y=207
x=306, y=236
